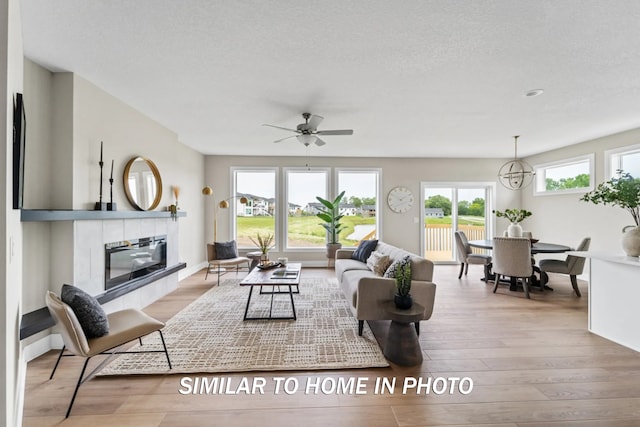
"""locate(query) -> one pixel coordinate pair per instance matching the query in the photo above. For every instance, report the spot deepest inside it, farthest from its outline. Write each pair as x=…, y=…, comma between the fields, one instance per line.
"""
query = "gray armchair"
x=512, y=257
x=572, y=265
x=466, y=256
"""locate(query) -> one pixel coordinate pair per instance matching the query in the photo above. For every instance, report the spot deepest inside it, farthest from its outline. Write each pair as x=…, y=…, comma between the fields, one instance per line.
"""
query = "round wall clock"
x=400, y=199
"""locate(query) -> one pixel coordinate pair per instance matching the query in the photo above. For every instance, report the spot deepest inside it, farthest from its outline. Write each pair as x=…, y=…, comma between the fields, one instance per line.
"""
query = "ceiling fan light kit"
x=307, y=132
x=516, y=174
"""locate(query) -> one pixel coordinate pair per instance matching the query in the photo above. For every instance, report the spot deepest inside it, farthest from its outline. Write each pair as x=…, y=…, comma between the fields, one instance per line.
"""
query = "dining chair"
x=466, y=255
x=571, y=265
x=512, y=257
x=124, y=326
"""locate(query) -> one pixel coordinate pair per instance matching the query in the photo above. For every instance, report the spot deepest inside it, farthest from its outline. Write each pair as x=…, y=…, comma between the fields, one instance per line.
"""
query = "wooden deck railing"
x=439, y=238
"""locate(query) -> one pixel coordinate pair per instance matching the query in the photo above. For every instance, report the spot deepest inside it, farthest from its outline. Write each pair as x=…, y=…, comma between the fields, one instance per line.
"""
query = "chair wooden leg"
x=166, y=353
x=57, y=362
x=417, y=325
x=525, y=285
x=75, y=392
x=495, y=288
x=466, y=268
x=360, y=327
x=574, y=283
x=461, y=270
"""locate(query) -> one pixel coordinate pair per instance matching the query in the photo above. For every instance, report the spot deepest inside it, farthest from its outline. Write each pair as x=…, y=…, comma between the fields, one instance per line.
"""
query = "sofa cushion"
x=343, y=265
x=364, y=249
x=391, y=271
x=87, y=309
x=378, y=263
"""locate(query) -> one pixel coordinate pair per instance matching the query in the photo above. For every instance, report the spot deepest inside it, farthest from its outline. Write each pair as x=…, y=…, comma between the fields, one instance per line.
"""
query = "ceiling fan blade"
x=314, y=121
x=319, y=142
x=336, y=132
x=280, y=127
x=280, y=140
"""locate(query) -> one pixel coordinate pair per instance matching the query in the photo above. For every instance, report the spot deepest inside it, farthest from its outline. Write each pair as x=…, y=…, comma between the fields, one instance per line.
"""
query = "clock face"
x=400, y=199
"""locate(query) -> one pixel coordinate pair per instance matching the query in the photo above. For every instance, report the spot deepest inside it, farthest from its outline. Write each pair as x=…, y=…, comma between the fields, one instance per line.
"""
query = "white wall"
x=401, y=230
x=11, y=370
x=564, y=218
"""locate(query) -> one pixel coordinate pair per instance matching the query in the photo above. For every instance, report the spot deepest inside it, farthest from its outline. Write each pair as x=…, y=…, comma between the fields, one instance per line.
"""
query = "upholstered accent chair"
x=124, y=326
x=571, y=265
x=466, y=255
x=512, y=258
x=222, y=265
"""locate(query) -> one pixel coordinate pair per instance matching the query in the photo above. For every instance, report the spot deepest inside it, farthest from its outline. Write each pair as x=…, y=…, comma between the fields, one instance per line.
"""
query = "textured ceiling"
x=412, y=78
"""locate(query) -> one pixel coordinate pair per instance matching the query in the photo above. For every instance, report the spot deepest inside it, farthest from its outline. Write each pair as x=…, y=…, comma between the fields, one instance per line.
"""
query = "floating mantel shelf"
x=33, y=215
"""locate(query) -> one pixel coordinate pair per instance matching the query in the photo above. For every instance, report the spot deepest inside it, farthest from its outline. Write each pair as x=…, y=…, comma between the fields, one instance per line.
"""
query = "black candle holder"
x=100, y=205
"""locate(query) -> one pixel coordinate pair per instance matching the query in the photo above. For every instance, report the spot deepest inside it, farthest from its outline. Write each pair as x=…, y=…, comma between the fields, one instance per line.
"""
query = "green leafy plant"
x=330, y=214
x=513, y=215
x=263, y=242
x=622, y=190
x=403, y=279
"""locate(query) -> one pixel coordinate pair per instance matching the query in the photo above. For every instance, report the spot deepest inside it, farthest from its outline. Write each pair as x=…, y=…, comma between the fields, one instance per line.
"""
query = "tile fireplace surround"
x=78, y=241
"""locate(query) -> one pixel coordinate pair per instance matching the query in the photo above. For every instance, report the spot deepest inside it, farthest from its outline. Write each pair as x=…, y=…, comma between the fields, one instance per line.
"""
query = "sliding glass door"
x=448, y=207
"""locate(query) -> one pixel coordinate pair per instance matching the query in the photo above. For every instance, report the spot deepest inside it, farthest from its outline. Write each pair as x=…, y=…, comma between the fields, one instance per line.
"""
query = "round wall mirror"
x=142, y=184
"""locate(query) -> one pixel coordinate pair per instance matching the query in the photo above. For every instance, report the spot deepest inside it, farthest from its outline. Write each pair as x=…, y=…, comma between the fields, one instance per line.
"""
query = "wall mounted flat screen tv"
x=19, y=135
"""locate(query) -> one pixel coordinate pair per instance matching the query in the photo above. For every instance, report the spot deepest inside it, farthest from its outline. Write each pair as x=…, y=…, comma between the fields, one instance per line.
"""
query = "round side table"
x=402, y=346
x=255, y=259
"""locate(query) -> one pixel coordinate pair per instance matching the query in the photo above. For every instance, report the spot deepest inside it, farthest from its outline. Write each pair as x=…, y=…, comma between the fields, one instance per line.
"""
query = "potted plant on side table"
x=403, y=299
x=330, y=214
x=623, y=191
x=264, y=243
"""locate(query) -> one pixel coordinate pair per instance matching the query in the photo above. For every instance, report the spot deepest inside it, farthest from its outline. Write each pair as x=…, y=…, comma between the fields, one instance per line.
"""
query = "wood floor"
x=532, y=362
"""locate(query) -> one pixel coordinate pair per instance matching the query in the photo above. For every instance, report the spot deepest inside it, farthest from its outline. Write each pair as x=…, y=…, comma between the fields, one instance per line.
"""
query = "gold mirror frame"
x=156, y=176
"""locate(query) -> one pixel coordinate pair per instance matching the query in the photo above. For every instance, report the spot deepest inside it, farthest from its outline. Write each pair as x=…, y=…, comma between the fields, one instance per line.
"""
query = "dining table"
x=537, y=247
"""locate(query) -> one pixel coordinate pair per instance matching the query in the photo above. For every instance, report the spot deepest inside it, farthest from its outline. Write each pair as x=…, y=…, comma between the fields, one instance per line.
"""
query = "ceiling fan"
x=307, y=132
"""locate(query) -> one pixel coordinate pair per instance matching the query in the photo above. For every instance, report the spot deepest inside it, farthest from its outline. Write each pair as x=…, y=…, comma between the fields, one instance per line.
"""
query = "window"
x=566, y=176
x=303, y=229
x=360, y=205
x=258, y=214
x=624, y=158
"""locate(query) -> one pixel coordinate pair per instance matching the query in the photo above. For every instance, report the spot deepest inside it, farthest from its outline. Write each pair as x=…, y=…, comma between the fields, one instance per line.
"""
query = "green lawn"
x=303, y=230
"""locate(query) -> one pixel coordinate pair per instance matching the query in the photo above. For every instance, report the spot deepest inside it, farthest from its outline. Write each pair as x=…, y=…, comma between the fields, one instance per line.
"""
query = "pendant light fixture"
x=516, y=174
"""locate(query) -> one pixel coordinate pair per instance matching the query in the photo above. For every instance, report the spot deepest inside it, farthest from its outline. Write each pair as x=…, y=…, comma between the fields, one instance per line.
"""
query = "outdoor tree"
x=578, y=181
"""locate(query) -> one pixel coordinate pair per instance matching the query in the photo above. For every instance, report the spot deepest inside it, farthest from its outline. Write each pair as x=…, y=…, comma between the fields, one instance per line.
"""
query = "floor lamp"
x=223, y=204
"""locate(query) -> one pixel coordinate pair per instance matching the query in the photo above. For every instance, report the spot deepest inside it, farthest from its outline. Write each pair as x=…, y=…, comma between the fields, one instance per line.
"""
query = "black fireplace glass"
x=130, y=260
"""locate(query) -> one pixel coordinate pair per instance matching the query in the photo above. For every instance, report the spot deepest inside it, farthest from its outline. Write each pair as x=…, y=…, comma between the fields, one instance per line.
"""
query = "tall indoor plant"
x=623, y=191
x=329, y=213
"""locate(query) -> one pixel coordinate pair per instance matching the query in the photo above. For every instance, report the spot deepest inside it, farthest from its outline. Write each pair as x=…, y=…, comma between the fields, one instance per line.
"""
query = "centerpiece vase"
x=514, y=230
x=631, y=240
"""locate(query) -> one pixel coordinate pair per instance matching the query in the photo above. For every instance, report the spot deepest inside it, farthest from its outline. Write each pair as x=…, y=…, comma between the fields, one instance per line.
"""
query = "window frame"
x=540, y=168
x=378, y=172
x=615, y=154
x=284, y=206
x=233, y=223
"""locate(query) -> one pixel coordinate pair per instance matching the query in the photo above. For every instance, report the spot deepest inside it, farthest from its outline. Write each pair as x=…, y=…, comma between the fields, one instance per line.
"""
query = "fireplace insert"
x=132, y=259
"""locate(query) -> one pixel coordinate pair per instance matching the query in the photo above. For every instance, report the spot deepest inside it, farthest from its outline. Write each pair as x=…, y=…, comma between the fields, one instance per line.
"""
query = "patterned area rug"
x=209, y=335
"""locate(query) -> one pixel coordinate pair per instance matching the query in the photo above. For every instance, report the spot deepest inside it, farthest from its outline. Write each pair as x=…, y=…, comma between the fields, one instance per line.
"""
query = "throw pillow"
x=364, y=249
x=391, y=271
x=87, y=309
x=378, y=263
x=226, y=250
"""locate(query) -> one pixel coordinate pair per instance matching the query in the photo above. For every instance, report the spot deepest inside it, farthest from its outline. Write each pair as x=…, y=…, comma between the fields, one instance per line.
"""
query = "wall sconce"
x=223, y=204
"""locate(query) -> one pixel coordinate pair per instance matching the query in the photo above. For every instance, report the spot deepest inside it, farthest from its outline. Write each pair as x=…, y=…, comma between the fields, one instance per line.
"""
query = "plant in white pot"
x=623, y=191
x=330, y=215
x=515, y=217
